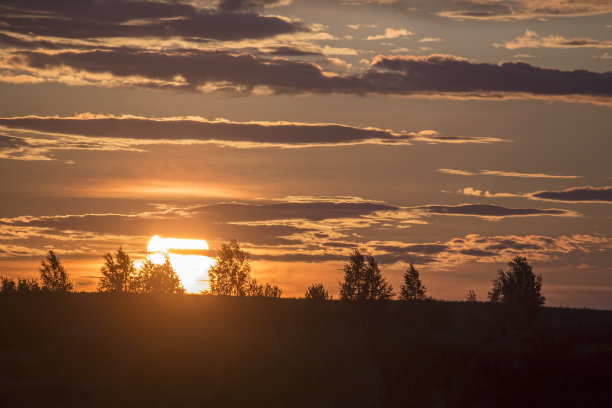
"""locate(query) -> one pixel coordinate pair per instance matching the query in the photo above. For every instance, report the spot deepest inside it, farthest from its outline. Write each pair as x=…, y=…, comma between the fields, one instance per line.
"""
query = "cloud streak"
x=305, y=228
x=586, y=194
x=85, y=19
x=37, y=137
x=577, y=194
x=435, y=75
x=508, y=10
x=501, y=173
x=533, y=40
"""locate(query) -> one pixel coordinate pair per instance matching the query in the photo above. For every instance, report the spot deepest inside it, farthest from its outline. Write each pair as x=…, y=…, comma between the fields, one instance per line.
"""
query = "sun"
x=187, y=258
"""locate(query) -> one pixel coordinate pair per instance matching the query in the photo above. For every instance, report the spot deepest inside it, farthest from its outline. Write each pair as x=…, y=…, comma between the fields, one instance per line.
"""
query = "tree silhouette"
x=231, y=275
x=363, y=279
x=518, y=286
x=53, y=275
x=263, y=290
x=117, y=274
x=412, y=288
x=159, y=279
x=23, y=286
x=26, y=286
x=471, y=296
x=316, y=291
x=272, y=291
x=7, y=285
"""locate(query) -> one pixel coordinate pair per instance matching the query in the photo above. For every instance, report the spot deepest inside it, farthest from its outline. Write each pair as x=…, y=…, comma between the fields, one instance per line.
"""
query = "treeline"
x=231, y=276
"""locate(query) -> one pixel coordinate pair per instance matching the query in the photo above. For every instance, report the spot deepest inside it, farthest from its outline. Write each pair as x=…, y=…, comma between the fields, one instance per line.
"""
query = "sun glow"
x=187, y=258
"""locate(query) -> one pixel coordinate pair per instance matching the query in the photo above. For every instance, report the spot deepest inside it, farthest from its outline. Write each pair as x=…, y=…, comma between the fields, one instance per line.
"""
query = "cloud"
x=292, y=52
x=493, y=211
x=304, y=229
x=235, y=5
x=457, y=172
x=122, y=18
x=391, y=33
x=430, y=39
x=435, y=75
x=574, y=194
x=505, y=174
x=533, y=40
x=577, y=194
x=507, y=10
x=40, y=136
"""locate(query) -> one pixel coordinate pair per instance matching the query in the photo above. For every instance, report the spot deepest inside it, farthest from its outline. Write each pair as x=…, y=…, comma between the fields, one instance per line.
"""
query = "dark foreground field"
x=95, y=350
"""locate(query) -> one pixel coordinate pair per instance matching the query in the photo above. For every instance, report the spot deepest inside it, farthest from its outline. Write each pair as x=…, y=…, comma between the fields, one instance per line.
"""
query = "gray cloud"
x=574, y=194
x=494, y=211
x=495, y=10
x=210, y=71
x=577, y=194
x=532, y=40
x=520, y=9
x=234, y=5
x=99, y=132
x=477, y=252
x=123, y=18
x=9, y=142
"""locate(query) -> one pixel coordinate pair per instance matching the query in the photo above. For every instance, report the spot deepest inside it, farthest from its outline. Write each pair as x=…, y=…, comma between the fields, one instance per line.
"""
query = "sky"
x=450, y=134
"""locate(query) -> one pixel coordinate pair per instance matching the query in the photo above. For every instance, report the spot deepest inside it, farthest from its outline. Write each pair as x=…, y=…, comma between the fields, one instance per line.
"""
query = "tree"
x=255, y=289
x=363, y=279
x=7, y=285
x=118, y=275
x=518, y=286
x=158, y=279
x=231, y=275
x=26, y=286
x=471, y=296
x=316, y=291
x=412, y=288
x=271, y=290
x=23, y=286
x=53, y=275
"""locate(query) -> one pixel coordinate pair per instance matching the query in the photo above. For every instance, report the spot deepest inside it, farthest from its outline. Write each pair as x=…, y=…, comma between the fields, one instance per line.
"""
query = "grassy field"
x=100, y=350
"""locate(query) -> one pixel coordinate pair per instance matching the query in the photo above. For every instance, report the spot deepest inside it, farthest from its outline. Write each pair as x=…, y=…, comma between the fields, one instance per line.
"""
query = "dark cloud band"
x=441, y=75
x=578, y=194
x=81, y=19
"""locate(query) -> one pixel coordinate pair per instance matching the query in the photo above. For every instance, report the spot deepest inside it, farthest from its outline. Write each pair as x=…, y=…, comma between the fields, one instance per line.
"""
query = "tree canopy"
x=518, y=286
x=363, y=279
x=159, y=279
x=231, y=274
x=118, y=274
x=316, y=291
x=53, y=275
x=412, y=288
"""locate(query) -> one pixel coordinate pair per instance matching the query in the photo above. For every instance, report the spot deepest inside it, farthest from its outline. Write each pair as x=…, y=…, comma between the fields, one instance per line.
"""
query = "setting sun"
x=187, y=258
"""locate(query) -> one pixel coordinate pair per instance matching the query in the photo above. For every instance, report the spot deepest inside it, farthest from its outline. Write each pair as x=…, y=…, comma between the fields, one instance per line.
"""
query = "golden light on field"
x=187, y=258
